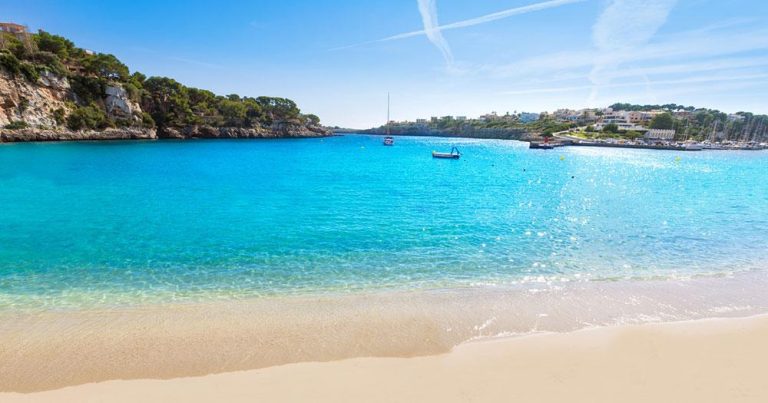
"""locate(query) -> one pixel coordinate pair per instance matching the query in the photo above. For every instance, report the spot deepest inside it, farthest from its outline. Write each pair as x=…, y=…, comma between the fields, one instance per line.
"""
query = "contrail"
x=428, y=11
x=473, y=21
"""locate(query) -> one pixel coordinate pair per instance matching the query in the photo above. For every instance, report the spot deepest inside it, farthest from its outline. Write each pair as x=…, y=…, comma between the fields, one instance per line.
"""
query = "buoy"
x=562, y=158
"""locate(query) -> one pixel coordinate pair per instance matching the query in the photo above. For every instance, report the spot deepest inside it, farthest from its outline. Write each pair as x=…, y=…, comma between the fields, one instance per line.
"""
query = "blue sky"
x=339, y=58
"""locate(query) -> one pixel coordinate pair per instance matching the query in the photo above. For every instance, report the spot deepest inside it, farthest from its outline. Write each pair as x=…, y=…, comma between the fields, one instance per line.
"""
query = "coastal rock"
x=10, y=136
x=32, y=103
x=118, y=104
x=274, y=131
x=170, y=133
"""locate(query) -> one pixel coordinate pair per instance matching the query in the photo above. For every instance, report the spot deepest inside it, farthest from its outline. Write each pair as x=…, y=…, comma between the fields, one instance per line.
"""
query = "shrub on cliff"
x=312, y=119
x=59, y=115
x=58, y=45
x=16, y=125
x=14, y=45
x=147, y=121
x=88, y=117
x=49, y=61
x=167, y=101
x=29, y=72
x=88, y=89
x=105, y=66
x=10, y=63
x=232, y=112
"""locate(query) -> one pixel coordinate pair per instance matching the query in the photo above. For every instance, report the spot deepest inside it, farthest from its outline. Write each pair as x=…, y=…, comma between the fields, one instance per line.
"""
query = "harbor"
x=564, y=140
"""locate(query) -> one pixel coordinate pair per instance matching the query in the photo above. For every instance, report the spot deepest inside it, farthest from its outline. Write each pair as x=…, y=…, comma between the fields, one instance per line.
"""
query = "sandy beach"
x=712, y=360
x=53, y=349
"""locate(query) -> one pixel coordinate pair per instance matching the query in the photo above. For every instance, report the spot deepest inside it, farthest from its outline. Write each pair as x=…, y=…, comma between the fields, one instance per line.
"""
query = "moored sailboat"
x=388, y=140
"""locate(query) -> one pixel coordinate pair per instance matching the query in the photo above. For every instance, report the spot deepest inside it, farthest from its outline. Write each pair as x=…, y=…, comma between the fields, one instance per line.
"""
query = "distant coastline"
x=670, y=126
x=463, y=132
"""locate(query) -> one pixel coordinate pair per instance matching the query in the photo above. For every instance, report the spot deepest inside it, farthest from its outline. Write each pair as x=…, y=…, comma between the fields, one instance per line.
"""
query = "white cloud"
x=624, y=26
x=678, y=81
x=670, y=69
x=692, y=46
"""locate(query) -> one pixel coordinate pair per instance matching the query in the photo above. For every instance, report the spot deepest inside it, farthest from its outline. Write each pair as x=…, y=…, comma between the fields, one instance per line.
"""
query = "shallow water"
x=107, y=224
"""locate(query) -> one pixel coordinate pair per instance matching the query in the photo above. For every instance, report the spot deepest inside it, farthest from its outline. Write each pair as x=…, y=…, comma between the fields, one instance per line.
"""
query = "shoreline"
x=54, y=349
x=703, y=360
x=568, y=143
x=130, y=133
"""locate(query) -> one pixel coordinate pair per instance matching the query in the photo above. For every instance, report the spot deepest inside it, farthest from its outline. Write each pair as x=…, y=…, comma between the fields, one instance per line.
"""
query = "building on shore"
x=13, y=28
x=527, y=117
x=735, y=117
x=660, y=134
x=623, y=119
x=682, y=114
x=622, y=125
x=21, y=32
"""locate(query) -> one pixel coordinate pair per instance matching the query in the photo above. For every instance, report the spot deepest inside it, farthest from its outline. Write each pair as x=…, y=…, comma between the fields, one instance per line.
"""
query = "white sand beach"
x=711, y=360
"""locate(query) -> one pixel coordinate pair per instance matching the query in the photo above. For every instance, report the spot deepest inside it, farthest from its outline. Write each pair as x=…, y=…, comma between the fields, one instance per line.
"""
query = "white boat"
x=692, y=146
x=453, y=155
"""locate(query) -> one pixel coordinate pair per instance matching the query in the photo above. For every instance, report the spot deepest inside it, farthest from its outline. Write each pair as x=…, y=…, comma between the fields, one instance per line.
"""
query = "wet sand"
x=715, y=360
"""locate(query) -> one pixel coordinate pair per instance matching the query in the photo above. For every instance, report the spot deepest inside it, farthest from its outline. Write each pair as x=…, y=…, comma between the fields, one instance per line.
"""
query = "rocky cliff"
x=51, y=90
x=38, y=112
x=273, y=131
x=128, y=133
x=35, y=104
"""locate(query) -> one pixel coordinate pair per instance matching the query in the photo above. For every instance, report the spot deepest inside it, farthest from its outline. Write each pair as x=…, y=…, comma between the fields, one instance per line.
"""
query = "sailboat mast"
x=387, y=114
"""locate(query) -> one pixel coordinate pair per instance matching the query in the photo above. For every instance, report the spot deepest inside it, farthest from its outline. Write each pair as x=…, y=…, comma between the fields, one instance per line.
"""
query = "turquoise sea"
x=123, y=223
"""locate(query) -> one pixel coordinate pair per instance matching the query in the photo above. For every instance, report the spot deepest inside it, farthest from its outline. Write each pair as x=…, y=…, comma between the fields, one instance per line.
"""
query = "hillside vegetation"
x=100, y=92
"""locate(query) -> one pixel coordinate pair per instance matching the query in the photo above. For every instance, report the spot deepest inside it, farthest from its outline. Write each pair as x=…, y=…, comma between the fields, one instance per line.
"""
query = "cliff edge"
x=51, y=90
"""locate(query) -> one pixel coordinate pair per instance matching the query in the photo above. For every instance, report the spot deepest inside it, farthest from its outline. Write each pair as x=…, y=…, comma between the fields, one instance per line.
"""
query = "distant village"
x=642, y=126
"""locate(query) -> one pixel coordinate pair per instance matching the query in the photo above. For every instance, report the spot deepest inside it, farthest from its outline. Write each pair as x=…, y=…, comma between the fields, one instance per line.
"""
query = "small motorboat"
x=453, y=155
x=692, y=146
x=540, y=146
x=389, y=141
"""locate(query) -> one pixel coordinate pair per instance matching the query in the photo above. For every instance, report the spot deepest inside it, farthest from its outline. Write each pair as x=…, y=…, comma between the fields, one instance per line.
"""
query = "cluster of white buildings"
x=625, y=120
x=599, y=118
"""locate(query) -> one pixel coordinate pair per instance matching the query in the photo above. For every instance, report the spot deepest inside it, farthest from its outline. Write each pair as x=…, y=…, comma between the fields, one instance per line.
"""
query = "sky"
x=339, y=58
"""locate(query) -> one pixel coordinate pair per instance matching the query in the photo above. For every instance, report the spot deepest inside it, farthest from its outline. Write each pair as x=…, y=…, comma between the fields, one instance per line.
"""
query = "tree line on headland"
x=161, y=102
x=688, y=122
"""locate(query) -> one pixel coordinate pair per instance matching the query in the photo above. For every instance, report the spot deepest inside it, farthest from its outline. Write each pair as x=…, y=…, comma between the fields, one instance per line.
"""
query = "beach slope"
x=714, y=360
